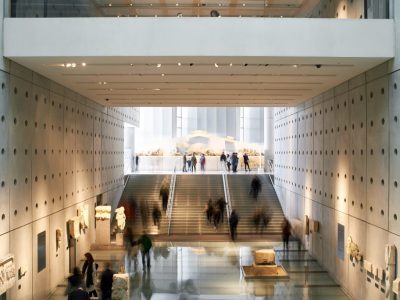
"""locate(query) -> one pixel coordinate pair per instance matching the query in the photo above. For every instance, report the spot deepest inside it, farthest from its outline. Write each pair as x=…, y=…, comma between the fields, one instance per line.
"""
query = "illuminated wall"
x=58, y=151
x=337, y=161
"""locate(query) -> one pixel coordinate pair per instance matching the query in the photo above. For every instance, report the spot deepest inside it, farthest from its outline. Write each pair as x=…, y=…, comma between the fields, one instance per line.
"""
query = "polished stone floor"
x=212, y=270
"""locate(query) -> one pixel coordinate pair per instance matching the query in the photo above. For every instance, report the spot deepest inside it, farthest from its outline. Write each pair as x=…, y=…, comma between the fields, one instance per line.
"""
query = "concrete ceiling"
x=203, y=81
x=198, y=61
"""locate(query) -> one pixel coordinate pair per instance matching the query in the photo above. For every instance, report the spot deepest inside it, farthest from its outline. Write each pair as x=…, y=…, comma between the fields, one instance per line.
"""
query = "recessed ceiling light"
x=162, y=74
x=109, y=4
x=68, y=65
x=244, y=4
x=177, y=4
x=151, y=4
x=73, y=65
x=158, y=65
x=83, y=64
x=295, y=66
x=216, y=65
x=219, y=4
x=157, y=89
x=131, y=65
x=231, y=64
x=131, y=4
x=179, y=64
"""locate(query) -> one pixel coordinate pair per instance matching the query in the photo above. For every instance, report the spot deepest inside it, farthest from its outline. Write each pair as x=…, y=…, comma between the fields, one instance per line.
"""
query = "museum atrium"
x=245, y=149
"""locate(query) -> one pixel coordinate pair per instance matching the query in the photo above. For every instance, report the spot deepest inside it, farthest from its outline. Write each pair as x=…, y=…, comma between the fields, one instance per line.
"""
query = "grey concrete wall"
x=58, y=151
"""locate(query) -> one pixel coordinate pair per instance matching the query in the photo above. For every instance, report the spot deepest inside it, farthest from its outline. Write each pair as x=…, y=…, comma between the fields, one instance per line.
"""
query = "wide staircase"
x=141, y=194
x=245, y=205
x=191, y=194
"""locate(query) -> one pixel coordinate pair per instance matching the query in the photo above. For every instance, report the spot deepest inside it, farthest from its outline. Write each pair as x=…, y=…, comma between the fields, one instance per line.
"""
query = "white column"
x=268, y=134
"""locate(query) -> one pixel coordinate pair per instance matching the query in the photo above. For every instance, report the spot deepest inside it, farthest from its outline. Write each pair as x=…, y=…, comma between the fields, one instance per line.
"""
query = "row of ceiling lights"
x=198, y=4
x=179, y=64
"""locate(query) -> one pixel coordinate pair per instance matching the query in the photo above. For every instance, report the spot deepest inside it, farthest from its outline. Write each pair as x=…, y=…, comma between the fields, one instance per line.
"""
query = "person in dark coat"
x=74, y=281
x=233, y=223
x=246, y=162
x=106, y=282
x=156, y=216
x=286, y=228
x=209, y=210
x=184, y=163
x=79, y=294
x=221, y=205
x=145, y=245
x=89, y=274
x=216, y=216
x=255, y=187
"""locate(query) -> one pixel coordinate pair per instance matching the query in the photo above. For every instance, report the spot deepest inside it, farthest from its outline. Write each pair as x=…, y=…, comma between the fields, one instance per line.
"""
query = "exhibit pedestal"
x=103, y=232
x=119, y=239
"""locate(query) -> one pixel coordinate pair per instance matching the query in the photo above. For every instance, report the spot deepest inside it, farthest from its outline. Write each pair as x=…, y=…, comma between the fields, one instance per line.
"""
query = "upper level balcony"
x=256, y=60
x=342, y=9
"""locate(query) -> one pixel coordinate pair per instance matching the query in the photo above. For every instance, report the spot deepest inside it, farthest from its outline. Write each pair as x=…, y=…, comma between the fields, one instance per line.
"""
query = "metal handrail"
x=171, y=201
x=227, y=195
x=271, y=167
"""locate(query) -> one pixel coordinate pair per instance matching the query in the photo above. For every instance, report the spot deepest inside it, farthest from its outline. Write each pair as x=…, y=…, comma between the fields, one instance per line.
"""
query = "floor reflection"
x=205, y=270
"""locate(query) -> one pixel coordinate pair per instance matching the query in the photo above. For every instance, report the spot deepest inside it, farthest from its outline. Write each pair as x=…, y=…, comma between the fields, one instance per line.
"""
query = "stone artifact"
x=103, y=212
x=7, y=273
x=120, y=287
x=306, y=225
x=58, y=238
x=265, y=257
x=74, y=227
x=390, y=260
x=83, y=214
x=120, y=216
x=353, y=250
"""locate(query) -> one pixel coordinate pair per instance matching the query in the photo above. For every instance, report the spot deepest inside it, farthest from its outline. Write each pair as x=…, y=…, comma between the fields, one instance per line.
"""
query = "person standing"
x=184, y=163
x=233, y=223
x=246, y=162
x=106, y=282
x=235, y=161
x=194, y=162
x=202, y=162
x=189, y=163
x=89, y=274
x=146, y=245
x=228, y=162
x=222, y=160
x=137, y=162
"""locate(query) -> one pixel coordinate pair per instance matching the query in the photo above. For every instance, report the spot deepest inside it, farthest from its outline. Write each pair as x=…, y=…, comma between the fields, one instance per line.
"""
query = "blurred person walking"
x=221, y=206
x=255, y=187
x=156, y=213
x=286, y=229
x=184, y=163
x=106, y=282
x=202, y=162
x=145, y=246
x=233, y=223
x=209, y=210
